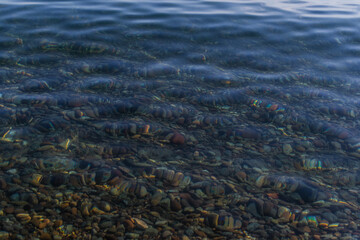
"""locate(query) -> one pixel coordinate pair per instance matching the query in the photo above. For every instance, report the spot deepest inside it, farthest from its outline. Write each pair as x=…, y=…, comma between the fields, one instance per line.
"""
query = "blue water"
x=243, y=114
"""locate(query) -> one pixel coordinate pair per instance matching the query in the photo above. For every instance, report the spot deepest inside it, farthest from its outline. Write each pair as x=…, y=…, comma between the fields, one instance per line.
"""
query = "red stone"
x=177, y=139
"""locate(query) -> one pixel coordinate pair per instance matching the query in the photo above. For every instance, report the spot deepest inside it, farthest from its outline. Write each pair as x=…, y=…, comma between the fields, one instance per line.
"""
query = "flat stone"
x=140, y=223
x=106, y=224
x=161, y=223
x=132, y=235
x=189, y=209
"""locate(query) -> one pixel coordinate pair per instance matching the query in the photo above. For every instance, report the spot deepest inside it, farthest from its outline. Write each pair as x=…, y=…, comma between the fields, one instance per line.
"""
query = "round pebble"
x=287, y=149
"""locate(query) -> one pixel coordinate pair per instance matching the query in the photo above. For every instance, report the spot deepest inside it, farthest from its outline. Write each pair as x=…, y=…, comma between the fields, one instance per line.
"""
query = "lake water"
x=179, y=119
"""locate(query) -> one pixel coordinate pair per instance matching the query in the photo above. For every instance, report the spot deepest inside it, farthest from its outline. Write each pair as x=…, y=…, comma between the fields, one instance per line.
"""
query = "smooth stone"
x=156, y=198
x=189, y=209
x=59, y=195
x=201, y=234
x=330, y=217
x=353, y=226
x=140, y=223
x=189, y=232
x=45, y=236
x=105, y=206
x=267, y=148
x=12, y=171
x=143, y=192
x=151, y=232
x=15, y=197
x=165, y=203
x=3, y=184
x=336, y=145
x=106, y=224
x=132, y=235
x=155, y=214
x=252, y=227
x=270, y=209
x=69, y=228
x=161, y=223
x=300, y=148
x=175, y=205
x=129, y=225
x=166, y=234
x=178, y=138
x=284, y=213
x=213, y=220
x=251, y=208
x=9, y=209
x=306, y=229
x=57, y=237
x=287, y=149
x=317, y=237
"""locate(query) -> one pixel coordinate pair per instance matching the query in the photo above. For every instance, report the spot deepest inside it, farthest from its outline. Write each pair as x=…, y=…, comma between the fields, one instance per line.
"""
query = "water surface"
x=233, y=119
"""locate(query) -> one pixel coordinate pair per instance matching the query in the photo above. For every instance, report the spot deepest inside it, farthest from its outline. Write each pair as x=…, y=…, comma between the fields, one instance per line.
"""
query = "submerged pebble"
x=160, y=121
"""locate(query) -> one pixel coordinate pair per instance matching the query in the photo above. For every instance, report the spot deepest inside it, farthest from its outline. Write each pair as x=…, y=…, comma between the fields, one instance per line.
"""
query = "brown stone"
x=105, y=206
x=16, y=180
x=40, y=222
x=74, y=211
x=58, y=223
x=300, y=148
x=317, y=237
x=45, y=236
x=193, y=202
x=240, y=175
x=175, y=204
x=3, y=184
x=177, y=138
x=9, y=209
x=200, y=233
x=307, y=229
x=141, y=224
x=129, y=225
x=166, y=234
x=319, y=143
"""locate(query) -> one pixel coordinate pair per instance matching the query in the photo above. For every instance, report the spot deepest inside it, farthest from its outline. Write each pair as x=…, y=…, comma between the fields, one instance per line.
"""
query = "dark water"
x=224, y=119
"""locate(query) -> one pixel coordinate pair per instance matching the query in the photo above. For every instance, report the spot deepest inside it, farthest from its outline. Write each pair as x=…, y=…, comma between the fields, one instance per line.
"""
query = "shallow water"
x=233, y=119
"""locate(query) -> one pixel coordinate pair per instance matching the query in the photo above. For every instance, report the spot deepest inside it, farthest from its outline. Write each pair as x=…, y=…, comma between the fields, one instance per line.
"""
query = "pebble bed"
x=99, y=142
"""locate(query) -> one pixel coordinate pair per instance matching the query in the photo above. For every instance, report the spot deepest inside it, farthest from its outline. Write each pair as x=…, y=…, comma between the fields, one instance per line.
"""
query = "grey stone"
x=252, y=227
x=287, y=149
x=152, y=232
x=329, y=216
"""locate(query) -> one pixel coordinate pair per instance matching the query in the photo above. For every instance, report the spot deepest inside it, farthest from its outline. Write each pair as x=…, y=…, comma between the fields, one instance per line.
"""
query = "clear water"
x=242, y=117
